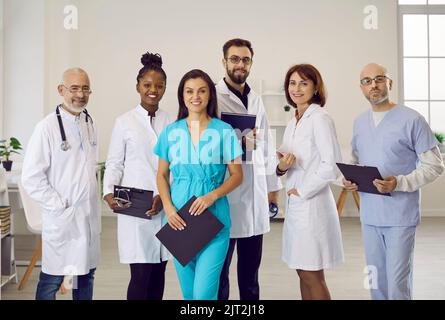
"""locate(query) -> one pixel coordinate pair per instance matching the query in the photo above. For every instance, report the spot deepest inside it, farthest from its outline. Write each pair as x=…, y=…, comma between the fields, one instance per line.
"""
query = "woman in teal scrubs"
x=197, y=150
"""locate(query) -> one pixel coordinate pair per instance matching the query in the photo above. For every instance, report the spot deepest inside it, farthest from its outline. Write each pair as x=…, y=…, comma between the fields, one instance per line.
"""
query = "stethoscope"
x=65, y=146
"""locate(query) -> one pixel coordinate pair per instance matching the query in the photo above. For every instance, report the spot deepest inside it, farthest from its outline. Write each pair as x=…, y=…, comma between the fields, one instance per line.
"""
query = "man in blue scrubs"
x=399, y=142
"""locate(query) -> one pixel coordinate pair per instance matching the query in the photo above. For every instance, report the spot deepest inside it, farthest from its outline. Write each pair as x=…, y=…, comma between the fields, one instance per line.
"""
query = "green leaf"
x=8, y=147
x=15, y=140
x=439, y=136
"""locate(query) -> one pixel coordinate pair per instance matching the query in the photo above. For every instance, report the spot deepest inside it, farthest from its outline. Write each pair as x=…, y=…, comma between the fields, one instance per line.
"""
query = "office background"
x=111, y=35
x=338, y=37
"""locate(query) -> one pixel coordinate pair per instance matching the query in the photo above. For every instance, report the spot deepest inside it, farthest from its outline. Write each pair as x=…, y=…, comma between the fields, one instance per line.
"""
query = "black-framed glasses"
x=378, y=79
x=123, y=198
x=236, y=60
x=74, y=89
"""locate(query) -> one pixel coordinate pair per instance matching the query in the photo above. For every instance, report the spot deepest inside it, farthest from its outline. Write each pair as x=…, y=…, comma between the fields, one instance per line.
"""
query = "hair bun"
x=150, y=59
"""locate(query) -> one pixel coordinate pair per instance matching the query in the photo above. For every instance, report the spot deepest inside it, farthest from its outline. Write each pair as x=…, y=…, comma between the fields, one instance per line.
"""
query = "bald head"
x=373, y=69
x=375, y=85
x=73, y=72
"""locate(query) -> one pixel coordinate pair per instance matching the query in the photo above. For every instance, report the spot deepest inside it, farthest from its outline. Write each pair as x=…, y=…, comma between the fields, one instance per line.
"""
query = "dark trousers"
x=49, y=285
x=147, y=281
x=249, y=252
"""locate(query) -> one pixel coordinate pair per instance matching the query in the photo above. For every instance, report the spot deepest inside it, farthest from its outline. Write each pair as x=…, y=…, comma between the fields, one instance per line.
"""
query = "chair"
x=342, y=198
x=33, y=215
x=346, y=156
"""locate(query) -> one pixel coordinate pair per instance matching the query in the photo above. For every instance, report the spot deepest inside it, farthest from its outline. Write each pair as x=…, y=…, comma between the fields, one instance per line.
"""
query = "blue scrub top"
x=393, y=147
x=199, y=170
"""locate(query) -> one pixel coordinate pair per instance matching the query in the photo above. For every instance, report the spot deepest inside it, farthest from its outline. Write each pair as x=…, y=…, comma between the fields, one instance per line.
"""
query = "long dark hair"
x=212, y=106
x=151, y=62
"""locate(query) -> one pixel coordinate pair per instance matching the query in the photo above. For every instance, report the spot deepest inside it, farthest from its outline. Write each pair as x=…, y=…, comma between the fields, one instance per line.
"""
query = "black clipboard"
x=239, y=121
x=200, y=230
x=362, y=176
x=141, y=201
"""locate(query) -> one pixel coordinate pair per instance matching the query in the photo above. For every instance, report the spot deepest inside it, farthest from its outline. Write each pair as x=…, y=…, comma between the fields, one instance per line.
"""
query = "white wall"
x=1, y=69
x=113, y=34
x=24, y=66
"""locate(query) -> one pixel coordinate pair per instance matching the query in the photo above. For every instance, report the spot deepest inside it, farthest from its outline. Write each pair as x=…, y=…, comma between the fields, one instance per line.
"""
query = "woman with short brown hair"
x=311, y=235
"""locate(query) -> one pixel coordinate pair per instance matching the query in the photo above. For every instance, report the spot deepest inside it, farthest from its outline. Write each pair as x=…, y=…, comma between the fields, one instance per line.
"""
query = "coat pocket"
x=61, y=226
x=298, y=212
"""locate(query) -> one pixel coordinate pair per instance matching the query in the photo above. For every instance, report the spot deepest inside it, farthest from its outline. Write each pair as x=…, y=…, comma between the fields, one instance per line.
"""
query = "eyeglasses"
x=378, y=79
x=236, y=60
x=123, y=198
x=85, y=90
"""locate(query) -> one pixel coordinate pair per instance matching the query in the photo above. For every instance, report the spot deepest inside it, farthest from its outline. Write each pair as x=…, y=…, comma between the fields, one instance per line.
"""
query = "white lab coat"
x=311, y=232
x=64, y=184
x=132, y=163
x=249, y=205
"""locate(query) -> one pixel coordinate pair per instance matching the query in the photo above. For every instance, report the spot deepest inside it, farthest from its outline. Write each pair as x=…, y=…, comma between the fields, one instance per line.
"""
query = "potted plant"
x=440, y=137
x=6, y=148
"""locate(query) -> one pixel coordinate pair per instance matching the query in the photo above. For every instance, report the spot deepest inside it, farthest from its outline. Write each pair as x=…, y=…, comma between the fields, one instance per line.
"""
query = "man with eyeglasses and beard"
x=395, y=139
x=249, y=203
x=59, y=172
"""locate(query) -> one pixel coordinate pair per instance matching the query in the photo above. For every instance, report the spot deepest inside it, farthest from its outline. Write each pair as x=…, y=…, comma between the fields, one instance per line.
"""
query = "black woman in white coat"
x=132, y=163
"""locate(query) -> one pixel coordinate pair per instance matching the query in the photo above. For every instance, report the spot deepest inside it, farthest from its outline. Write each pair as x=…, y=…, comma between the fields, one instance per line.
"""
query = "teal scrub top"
x=198, y=170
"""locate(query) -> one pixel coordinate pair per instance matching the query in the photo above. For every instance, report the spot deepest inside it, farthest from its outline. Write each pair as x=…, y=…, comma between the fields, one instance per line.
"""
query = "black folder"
x=239, y=121
x=362, y=176
x=242, y=122
x=141, y=201
x=199, y=231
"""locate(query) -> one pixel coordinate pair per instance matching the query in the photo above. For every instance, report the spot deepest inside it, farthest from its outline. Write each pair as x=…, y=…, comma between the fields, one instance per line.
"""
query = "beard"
x=238, y=79
x=74, y=109
x=379, y=99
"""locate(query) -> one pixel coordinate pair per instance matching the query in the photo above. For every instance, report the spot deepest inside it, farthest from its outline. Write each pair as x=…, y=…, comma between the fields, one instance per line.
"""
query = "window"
x=422, y=68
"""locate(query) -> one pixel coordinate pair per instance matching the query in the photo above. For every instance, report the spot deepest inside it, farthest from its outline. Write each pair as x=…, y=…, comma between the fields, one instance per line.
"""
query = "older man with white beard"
x=59, y=172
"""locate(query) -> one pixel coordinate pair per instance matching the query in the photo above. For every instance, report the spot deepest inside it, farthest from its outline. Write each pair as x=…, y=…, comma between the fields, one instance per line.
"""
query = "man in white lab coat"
x=249, y=203
x=59, y=172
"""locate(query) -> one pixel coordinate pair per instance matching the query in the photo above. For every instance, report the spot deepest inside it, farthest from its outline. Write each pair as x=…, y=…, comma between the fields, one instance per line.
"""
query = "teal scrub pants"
x=199, y=279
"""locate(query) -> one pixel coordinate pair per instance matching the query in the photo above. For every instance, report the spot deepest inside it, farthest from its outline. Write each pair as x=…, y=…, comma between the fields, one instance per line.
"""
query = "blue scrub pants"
x=389, y=255
x=199, y=279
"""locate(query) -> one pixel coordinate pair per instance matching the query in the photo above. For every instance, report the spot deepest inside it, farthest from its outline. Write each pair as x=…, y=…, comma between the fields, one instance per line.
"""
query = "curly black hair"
x=151, y=62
